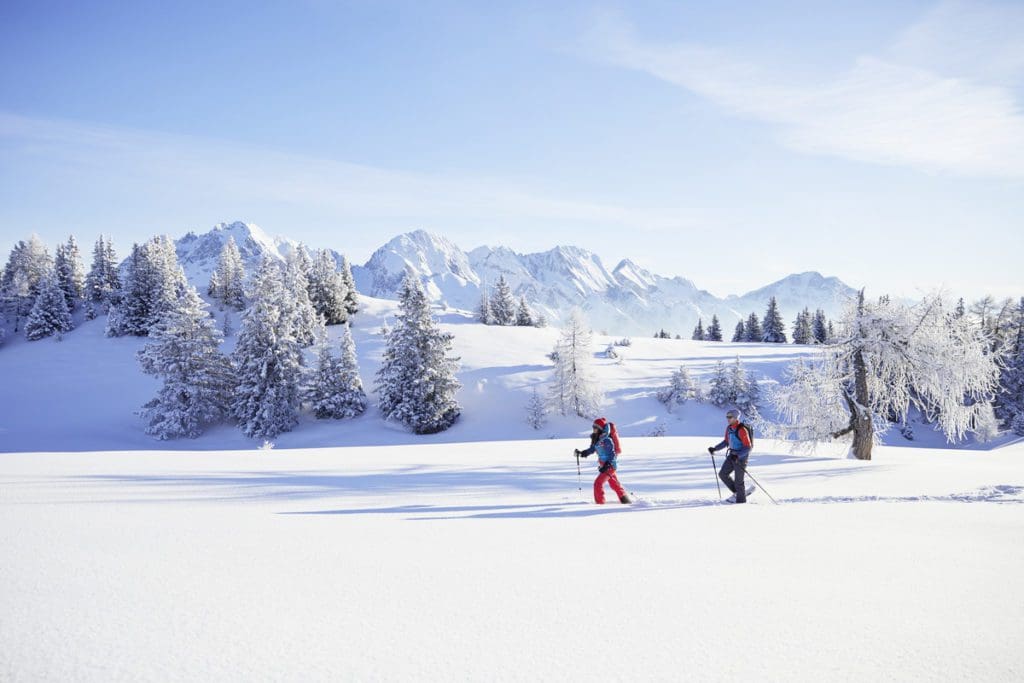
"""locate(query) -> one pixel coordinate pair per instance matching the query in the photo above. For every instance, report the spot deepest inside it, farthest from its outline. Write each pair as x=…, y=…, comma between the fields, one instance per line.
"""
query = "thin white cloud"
x=900, y=108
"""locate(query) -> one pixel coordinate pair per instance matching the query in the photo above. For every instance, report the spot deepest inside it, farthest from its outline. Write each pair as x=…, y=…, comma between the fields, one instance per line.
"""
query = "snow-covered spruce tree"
x=297, y=307
x=153, y=285
x=327, y=290
x=802, y=329
x=351, y=296
x=230, y=276
x=215, y=288
x=679, y=391
x=483, y=311
x=267, y=361
x=720, y=393
x=754, y=333
x=1009, y=401
x=773, y=329
x=744, y=392
x=819, y=327
x=103, y=280
x=68, y=267
x=740, y=334
x=574, y=390
x=536, y=410
x=416, y=383
x=714, y=332
x=184, y=352
x=503, y=306
x=887, y=358
x=1018, y=424
x=335, y=390
x=698, y=332
x=27, y=264
x=524, y=316
x=49, y=314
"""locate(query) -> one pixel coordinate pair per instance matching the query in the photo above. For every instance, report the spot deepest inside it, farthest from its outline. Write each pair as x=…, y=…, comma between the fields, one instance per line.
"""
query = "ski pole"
x=579, y=475
x=714, y=466
x=756, y=483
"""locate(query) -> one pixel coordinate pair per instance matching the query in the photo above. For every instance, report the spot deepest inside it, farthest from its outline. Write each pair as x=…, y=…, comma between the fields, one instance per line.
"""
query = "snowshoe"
x=625, y=499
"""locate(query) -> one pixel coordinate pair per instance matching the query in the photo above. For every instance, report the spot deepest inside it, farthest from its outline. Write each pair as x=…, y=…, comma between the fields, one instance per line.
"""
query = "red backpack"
x=614, y=433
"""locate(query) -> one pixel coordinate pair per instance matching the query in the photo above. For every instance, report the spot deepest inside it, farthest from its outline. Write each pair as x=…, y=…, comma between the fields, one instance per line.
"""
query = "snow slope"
x=480, y=562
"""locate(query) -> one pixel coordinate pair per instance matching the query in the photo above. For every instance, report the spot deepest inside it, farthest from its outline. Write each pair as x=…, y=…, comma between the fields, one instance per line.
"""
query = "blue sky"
x=734, y=144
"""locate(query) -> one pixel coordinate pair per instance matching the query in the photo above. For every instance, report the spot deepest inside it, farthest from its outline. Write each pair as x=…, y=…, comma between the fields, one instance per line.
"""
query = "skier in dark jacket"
x=737, y=439
x=601, y=442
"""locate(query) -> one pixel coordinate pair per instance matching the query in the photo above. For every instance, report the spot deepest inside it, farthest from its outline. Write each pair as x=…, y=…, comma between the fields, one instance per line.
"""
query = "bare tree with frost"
x=574, y=389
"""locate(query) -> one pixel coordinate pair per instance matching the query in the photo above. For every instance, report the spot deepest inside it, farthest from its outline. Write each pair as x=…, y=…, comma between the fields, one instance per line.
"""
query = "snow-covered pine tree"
x=1009, y=403
x=483, y=312
x=524, y=316
x=327, y=290
x=416, y=383
x=714, y=332
x=754, y=333
x=888, y=358
x=306, y=322
x=536, y=410
x=335, y=390
x=68, y=267
x=774, y=330
x=49, y=314
x=215, y=289
x=226, y=328
x=680, y=389
x=803, y=332
x=351, y=296
x=184, y=351
x=503, y=306
x=960, y=308
x=744, y=392
x=819, y=328
x=29, y=262
x=267, y=361
x=698, y=332
x=574, y=389
x=740, y=334
x=720, y=391
x=230, y=275
x=153, y=285
x=102, y=279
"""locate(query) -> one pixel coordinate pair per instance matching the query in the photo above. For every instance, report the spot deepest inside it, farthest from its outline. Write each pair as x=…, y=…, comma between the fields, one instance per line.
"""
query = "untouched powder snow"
x=481, y=561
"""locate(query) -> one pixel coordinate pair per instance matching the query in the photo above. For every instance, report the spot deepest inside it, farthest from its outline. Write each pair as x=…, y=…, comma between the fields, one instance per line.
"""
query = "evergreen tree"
x=802, y=329
x=740, y=335
x=503, y=306
x=680, y=389
x=1009, y=401
x=306, y=322
x=226, y=328
x=819, y=328
x=336, y=392
x=28, y=264
x=49, y=314
x=698, y=332
x=774, y=330
x=574, y=390
x=215, y=289
x=103, y=279
x=524, y=317
x=483, y=312
x=714, y=332
x=754, y=333
x=230, y=276
x=744, y=392
x=720, y=391
x=267, y=361
x=416, y=384
x=349, y=282
x=184, y=352
x=536, y=410
x=327, y=290
x=960, y=310
x=153, y=285
x=68, y=267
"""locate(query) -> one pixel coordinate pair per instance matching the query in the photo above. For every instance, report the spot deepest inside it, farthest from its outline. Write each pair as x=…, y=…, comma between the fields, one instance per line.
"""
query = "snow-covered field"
x=481, y=561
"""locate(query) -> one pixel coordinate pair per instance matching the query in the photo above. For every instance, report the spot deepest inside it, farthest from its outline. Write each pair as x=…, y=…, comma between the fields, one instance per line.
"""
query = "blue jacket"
x=604, y=447
x=737, y=441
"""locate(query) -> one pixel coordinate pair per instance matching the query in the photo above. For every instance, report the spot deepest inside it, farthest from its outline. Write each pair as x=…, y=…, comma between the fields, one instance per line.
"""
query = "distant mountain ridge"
x=627, y=299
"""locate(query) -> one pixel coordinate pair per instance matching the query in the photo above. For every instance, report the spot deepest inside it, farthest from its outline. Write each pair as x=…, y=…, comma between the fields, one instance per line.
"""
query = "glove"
x=576, y=452
x=605, y=467
x=711, y=450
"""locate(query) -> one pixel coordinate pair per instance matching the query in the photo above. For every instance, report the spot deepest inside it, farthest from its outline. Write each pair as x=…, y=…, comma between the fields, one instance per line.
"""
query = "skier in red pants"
x=603, y=444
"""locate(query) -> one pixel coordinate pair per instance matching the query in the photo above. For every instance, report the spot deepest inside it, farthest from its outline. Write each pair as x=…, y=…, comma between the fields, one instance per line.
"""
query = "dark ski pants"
x=739, y=466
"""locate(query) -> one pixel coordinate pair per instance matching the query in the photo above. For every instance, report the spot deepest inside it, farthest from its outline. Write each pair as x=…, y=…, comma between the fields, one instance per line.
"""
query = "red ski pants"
x=613, y=481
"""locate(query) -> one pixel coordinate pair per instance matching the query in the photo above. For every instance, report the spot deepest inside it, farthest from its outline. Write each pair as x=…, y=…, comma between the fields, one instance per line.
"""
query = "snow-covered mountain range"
x=626, y=299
